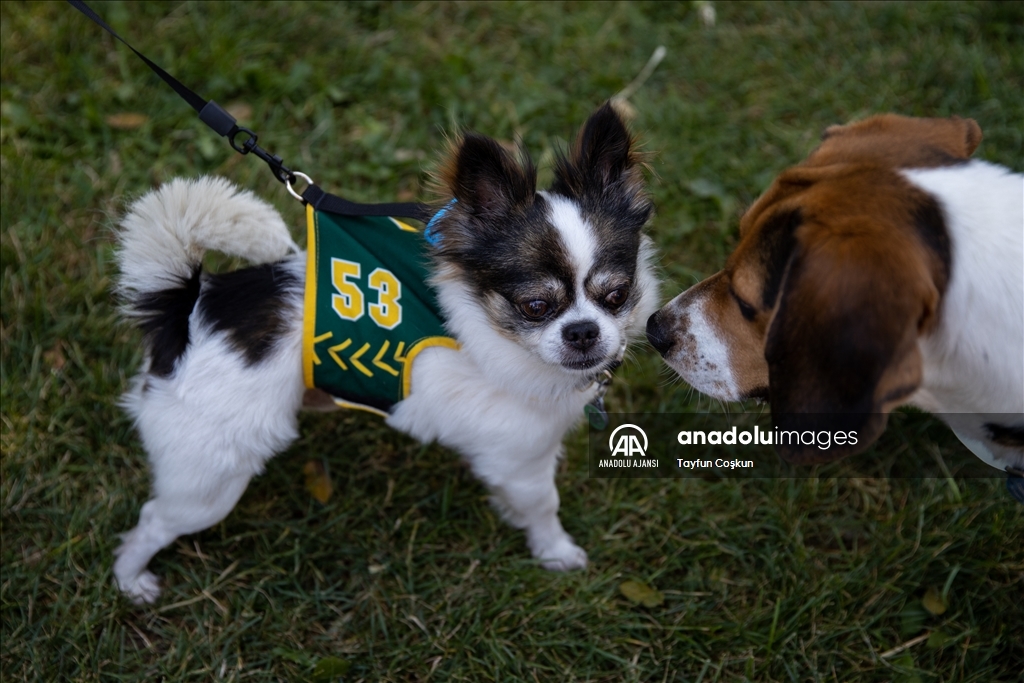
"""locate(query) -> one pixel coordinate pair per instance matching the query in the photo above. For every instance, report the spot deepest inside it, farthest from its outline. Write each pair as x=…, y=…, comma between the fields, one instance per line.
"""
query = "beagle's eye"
x=746, y=310
x=616, y=297
x=536, y=309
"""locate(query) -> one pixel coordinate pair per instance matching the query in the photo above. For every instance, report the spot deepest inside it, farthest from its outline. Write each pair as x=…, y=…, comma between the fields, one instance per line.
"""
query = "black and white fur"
x=541, y=289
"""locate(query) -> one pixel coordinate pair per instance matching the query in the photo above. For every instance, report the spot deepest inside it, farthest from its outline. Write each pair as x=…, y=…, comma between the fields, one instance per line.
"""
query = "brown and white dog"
x=886, y=269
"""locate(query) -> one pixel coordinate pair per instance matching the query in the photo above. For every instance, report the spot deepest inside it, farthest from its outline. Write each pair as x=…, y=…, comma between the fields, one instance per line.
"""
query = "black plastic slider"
x=214, y=115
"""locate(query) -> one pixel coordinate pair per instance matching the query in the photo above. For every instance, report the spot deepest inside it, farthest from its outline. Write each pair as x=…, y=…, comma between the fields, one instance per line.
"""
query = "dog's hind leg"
x=207, y=429
x=175, y=511
x=204, y=444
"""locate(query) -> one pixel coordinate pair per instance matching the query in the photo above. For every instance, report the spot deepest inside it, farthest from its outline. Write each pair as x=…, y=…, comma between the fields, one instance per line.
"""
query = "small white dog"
x=541, y=289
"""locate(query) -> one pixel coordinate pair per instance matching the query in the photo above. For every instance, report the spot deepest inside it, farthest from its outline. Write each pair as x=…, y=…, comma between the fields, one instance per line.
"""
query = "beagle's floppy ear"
x=842, y=346
x=900, y=141
x=959, y=136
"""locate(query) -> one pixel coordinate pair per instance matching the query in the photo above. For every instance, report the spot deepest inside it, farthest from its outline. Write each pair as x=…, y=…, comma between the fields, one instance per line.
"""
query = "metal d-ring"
x=288, y=184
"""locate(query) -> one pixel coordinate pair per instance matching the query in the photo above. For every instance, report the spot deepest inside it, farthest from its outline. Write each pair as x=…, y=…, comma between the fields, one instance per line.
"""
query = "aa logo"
x=628, y=442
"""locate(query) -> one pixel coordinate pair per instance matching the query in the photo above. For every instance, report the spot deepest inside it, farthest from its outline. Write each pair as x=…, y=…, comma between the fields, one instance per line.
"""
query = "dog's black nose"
x=581, y=335
x=660, y=339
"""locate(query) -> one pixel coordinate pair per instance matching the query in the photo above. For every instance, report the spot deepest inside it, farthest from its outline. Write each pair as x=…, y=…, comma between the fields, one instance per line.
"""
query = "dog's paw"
x=563, y=556
x=143, y=589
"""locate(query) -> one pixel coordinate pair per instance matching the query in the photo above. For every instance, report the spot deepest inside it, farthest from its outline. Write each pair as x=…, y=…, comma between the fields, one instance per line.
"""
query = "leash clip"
x=276, y=163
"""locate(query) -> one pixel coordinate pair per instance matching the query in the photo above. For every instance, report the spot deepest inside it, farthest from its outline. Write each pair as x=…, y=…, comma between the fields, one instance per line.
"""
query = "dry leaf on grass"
x=318, y=482
x=330, y=668
x=126, y=120
x=642, y=594
x=933, y=602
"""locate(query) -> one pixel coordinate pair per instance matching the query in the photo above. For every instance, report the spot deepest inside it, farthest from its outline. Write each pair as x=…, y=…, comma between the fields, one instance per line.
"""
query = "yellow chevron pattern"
x=380, y=358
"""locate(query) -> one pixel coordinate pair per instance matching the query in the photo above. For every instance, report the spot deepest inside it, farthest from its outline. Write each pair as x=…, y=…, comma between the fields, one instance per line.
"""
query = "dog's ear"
x=842, y=346
x=956, y=136
x=601, y=154
x=900, y=141
x=971, y=134
x=488, y=180
x=603, y=172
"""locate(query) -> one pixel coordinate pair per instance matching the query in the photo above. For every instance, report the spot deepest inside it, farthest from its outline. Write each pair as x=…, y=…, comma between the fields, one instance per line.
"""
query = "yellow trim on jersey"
x=358, y=406
x=446, y=342
x=404, y=226
x=309, y=309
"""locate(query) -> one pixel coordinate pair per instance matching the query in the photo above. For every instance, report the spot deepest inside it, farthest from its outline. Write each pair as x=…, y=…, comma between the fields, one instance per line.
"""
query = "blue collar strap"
x=432, y=238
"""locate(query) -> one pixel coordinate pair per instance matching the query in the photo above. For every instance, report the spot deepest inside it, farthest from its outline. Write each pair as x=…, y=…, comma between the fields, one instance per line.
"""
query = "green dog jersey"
x=368, y=309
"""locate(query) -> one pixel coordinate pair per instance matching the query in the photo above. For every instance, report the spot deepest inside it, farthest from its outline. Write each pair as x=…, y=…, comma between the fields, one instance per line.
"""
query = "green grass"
x=406, y=573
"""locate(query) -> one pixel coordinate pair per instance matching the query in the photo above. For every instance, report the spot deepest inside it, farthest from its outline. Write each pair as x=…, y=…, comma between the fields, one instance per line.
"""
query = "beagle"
x=886, y=269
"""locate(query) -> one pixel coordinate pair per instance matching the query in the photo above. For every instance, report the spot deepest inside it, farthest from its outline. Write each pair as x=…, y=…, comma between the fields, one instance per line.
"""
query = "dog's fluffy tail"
x=165, y=233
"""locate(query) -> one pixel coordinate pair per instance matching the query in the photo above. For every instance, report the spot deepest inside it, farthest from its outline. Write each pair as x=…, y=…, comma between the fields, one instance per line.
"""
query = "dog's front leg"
x=524, y=493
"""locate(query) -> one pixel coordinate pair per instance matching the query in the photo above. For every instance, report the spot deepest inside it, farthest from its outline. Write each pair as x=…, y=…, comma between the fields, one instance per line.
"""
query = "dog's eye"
x=746, y=310
x=616, y=297
x=535, y=309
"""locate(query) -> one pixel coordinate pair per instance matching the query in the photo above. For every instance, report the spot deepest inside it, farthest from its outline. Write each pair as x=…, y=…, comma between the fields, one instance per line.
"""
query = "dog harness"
x=368, y=309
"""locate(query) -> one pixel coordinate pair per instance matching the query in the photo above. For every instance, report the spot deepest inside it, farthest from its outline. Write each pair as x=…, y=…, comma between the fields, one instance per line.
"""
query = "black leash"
x=244, y=141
